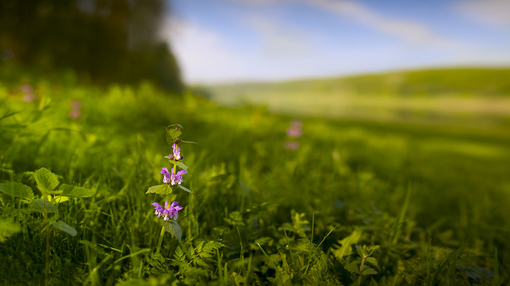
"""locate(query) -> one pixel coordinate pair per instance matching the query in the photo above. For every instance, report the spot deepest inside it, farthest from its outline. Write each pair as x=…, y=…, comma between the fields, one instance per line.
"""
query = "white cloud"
x=493, y=12
x=203, y=55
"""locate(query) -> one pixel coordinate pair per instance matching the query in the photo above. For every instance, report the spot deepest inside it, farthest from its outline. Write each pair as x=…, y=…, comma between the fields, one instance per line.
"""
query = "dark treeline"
x=107, y=40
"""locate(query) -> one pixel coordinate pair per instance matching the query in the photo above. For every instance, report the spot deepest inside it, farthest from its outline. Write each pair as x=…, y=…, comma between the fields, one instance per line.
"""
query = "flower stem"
x=361, y=269
x=160, y=239
x=47, y=254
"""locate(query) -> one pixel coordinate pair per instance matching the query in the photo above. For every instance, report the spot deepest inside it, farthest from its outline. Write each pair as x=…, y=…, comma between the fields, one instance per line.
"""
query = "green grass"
x=433, y=199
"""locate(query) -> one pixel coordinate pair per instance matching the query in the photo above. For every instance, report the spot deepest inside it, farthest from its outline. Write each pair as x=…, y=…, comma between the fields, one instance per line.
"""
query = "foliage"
x=106, y=41
x=355, y=204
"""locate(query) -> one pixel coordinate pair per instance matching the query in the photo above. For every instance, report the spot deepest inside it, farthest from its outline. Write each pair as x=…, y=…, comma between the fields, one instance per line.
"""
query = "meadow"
x=357, y=202
x=461, y=97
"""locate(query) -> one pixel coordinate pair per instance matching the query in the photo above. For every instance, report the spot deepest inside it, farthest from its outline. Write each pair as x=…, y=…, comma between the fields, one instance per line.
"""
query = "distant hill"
x=459, y=81
x=471, y=97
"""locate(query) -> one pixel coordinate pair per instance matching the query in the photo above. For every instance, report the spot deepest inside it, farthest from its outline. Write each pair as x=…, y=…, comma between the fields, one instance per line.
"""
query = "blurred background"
x=103, y=41
x=436, y=62
x=422, y=62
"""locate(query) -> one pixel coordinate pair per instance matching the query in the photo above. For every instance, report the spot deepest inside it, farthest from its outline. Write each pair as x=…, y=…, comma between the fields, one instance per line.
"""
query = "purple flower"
x=166, y=175
x=295, y=129
x=159, y=210
x=75, y=114
x=28, y=97
x=294, y=132
x=177, y=153
x=76, y=104
x=169, y=212
x=176, y=179
x=172, y=178
x=294, y=145
x=26, y=88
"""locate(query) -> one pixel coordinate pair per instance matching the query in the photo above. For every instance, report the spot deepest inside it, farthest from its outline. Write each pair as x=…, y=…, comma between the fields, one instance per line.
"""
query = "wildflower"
x=75, y=114
x=28, y=97
x=177, y=153
x=294, y=145
x=159, y=210
x=166, y=175
x=169, y=212
x=294, y=132
x=75, y=109
x=176, y=179
x=26, y=88
x=76, y=104
x=172, y=178
x=295, y=129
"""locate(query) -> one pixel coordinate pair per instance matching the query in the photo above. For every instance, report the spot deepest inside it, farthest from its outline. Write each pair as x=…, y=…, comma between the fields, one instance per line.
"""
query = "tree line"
x=108, y=40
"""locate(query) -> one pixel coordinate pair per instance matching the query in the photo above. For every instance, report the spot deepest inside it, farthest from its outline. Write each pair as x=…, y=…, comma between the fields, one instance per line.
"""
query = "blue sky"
x=223, y=41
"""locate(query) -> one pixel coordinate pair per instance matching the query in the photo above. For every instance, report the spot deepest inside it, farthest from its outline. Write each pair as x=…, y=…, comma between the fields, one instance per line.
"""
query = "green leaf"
x=353, y=266
x=15, y=189
x=189, y=142
x=39, y=204
x=163, y=189
x=77, y=192
x=7, y=229
x=178, y=163
x=346, y=243
x=361, y=251
x=453, y=256
x=368, y=271
x=46, y=180
x=64, y=227
x=186, y=189
x=371, y=260
x=173, y=228
x=398, y=223
x=7, y=114
x=371, y=249
x=60, y=199
x=175, y=125
x=169, y=139
x=174, y=133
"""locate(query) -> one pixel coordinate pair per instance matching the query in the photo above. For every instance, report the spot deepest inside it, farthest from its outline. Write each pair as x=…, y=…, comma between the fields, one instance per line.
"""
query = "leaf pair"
x=164, y=189
x=173, y=133
x=47, y=182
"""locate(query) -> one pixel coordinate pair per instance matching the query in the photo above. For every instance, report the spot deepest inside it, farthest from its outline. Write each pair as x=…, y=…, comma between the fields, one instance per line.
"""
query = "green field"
x=422, y=201
x=465, y=97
